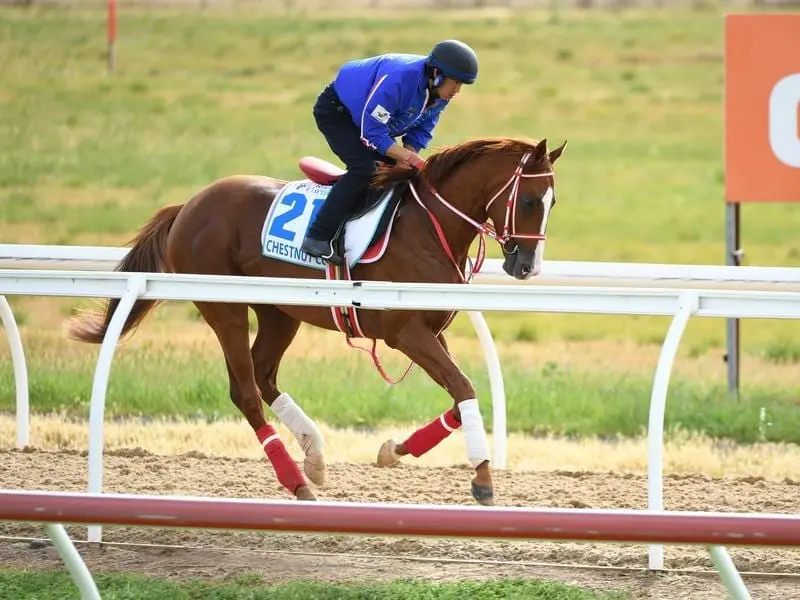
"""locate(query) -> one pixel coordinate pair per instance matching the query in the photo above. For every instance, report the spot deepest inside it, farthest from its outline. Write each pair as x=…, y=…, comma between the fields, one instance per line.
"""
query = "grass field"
x=86, y=157
x=14, y=586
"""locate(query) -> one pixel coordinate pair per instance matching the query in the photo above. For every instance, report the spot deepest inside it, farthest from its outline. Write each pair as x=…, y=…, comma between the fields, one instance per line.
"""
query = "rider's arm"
x=381, y=103
x=420, y=135
x=378, y=108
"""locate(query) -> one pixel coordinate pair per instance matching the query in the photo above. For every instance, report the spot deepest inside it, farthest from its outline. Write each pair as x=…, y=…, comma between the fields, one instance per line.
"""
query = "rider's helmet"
x=455, y=60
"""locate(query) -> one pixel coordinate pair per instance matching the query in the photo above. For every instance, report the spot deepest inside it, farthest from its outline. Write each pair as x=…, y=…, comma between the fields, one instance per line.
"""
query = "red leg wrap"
x=427, y=436
x=285, y=468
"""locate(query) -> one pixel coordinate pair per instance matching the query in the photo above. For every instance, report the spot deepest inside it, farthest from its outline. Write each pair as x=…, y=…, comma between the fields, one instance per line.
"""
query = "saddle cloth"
x=366, y=234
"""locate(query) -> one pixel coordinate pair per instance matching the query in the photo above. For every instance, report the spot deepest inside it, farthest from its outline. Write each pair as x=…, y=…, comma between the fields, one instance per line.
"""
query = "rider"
x=370, y=102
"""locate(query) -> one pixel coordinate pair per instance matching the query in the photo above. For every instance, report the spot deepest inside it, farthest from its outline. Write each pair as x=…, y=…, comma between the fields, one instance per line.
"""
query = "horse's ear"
x=540, y=152
x=557, y=152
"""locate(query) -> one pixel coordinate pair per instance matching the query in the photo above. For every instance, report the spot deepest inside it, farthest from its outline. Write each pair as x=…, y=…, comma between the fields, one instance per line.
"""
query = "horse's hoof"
x=387, y=457
x=314, y=467
x=483, y=495
x=304, y=493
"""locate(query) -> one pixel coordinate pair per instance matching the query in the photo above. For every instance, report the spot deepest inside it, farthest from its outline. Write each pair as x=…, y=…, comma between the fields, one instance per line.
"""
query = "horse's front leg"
x=417, y=341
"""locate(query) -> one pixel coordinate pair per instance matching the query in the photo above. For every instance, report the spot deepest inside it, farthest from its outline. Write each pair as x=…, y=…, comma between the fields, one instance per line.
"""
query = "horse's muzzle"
x=519, y=263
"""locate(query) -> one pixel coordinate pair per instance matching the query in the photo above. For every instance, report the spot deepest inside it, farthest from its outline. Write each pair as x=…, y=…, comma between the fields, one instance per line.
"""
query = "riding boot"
x=324, y=249
x=322, y=236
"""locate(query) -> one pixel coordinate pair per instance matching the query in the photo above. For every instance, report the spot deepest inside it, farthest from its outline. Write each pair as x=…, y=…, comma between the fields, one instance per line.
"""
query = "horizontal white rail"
x=402, y=296
x=102, y=258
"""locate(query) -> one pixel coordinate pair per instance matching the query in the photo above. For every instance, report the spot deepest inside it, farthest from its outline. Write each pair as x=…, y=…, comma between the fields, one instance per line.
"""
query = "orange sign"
x=762, y=108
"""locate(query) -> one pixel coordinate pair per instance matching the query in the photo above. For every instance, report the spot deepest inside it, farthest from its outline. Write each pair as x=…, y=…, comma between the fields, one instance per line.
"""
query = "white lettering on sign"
x=784, y=105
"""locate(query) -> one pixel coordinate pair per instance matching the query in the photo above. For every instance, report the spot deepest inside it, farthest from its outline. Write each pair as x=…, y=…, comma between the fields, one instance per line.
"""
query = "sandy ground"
x=685, y=454
x=223, y=554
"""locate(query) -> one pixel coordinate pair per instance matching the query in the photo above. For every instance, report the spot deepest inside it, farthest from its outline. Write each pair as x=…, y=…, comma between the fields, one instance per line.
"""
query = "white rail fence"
x=557, y=272
x=681, y=304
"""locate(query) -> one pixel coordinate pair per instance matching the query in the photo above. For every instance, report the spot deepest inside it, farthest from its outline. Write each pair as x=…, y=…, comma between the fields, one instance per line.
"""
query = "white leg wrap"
x=298, y=422
x=474, y=432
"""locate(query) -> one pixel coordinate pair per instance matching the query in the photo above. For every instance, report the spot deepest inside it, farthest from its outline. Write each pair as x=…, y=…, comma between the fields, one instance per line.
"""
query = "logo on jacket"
x=380, y=114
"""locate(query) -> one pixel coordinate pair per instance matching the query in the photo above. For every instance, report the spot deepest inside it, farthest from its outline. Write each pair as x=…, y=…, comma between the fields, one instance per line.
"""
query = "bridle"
x=485, y=228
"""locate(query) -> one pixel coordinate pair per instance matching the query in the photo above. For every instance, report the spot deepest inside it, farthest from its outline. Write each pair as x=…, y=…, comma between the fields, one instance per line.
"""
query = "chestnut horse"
x=442, y=209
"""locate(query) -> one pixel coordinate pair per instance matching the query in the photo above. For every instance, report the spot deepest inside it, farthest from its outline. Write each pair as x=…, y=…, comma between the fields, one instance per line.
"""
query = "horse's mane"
x=447, y=158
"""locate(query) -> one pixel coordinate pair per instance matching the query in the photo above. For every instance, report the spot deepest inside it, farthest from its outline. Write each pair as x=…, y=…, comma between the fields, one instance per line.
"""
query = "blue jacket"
x=386, y=96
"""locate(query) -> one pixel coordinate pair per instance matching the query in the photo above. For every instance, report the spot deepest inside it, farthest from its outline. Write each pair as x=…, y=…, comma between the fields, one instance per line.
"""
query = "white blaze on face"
x=547, y=201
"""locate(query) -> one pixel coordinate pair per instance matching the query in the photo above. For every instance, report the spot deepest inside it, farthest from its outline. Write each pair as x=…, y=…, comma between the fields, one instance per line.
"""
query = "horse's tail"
x=148, y=255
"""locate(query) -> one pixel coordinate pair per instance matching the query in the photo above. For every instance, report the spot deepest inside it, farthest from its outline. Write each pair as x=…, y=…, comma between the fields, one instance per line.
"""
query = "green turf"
x=33, y=585
x=202, y=94
x=161, y=381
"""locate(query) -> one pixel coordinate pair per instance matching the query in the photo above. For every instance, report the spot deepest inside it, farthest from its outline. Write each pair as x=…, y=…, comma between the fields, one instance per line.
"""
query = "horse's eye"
x=528, y=201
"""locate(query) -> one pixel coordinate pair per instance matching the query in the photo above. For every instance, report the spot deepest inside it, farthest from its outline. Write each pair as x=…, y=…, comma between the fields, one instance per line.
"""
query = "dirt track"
x=226, y=553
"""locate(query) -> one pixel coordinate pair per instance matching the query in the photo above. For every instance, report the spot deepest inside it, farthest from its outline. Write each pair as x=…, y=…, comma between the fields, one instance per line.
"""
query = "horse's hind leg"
x=276, y=330
x=229, y=322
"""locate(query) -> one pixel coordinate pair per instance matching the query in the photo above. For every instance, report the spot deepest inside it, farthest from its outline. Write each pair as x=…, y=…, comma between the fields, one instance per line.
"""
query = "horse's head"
x=521, y=208
x=509, y=181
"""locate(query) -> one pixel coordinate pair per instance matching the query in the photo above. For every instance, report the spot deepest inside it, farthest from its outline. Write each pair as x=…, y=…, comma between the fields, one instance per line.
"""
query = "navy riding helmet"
x=455, y=60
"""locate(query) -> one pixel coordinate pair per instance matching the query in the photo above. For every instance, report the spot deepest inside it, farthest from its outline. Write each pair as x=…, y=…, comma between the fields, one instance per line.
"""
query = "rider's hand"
x=405, y=155
x=415, y=160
